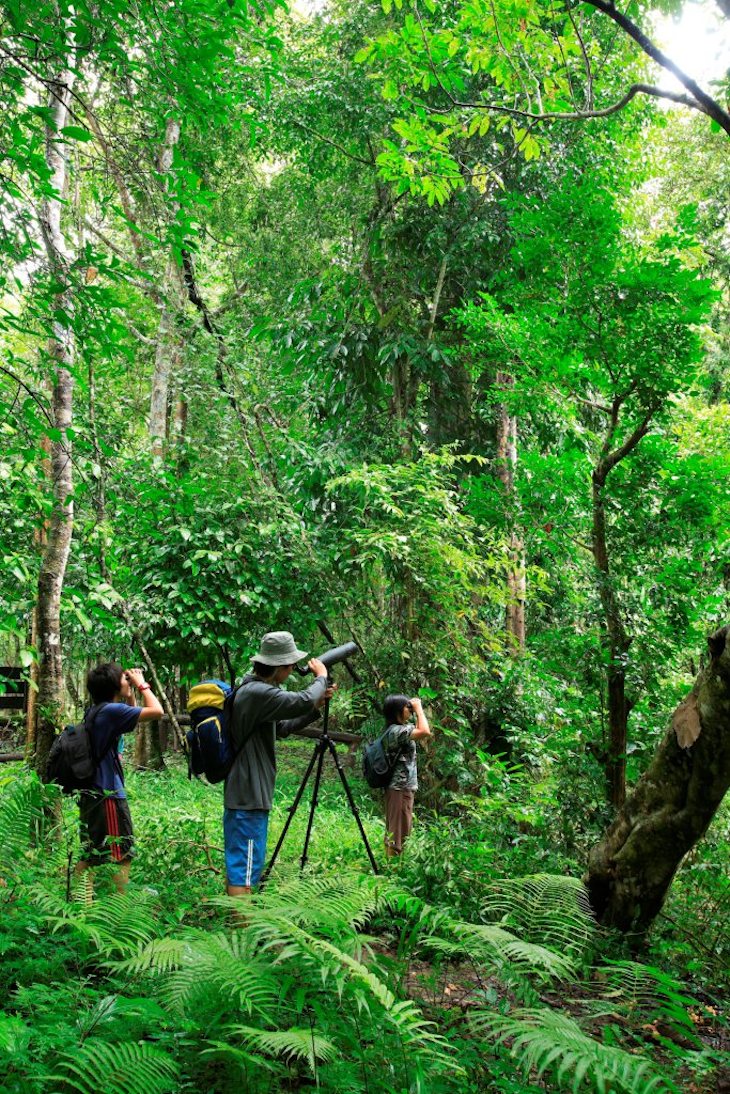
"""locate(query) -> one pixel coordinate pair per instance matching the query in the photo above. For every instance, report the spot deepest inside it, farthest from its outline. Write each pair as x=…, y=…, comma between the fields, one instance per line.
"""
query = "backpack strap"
x=247, y=736
x=89, y=719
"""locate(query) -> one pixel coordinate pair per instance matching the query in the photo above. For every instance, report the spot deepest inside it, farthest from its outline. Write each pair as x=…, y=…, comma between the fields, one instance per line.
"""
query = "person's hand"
x=416, y=704
x=327, y=695
x=135, y=677
x=317, y=667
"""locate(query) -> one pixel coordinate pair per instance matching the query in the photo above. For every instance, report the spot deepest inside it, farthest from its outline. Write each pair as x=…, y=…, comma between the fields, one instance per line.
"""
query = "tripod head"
x=332, y=657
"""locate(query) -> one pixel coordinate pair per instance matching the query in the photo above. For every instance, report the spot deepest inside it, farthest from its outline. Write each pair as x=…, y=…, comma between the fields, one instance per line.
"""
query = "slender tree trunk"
x=506, y=468
x=61, y=354
x=617, y=641
x=630, y=871
x=168, y=351
x=40, y=538
x=617, y=646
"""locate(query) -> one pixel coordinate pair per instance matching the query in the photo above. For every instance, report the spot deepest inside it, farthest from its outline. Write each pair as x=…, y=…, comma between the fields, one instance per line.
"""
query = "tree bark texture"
x=168, y=353
x=61, y=354
x=617, y=650
x=169, y=349
x=617, y=641
x=506, y=467
x=630, y=871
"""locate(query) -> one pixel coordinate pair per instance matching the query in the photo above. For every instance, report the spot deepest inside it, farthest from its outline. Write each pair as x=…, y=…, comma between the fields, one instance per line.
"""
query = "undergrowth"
x=334, y=980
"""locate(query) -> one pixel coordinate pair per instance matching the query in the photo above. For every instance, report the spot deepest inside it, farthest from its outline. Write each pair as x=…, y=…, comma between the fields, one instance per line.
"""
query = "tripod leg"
x=315, y=799
x=353, y=807
x=291, y=811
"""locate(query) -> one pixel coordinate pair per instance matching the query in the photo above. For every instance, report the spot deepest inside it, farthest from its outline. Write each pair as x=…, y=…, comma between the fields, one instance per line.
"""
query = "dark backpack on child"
x=72, y=761
x=377, y=766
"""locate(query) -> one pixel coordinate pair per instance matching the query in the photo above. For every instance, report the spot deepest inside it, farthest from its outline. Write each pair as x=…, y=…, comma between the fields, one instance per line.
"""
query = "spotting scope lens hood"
x=333, y=656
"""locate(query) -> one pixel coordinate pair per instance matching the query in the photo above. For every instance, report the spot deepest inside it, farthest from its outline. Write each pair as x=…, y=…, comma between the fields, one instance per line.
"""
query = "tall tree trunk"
x=617, y=647
x=168, y=351
x=506, y=467
x=40, y=539
x=61, y=354
x=630, y=871
x=617, y=641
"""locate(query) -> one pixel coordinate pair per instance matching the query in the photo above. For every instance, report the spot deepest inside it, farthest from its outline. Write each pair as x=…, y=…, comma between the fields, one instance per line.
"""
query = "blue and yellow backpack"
x=210, y=751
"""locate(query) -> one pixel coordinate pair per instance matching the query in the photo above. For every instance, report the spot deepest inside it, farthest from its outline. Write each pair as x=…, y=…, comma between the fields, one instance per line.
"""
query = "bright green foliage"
x=335, y=397
x=336, y=978
x=140, y=1069
x=493, y=76
x=547, y=1040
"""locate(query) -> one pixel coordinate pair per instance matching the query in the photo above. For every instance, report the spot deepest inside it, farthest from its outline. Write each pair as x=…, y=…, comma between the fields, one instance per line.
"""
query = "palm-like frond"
x=116, y=1069
x=549, y=909
x=21, y=814
x=337, y=965
x=288, y=1044
x=631, y=986
x=550, y=1041
x=501, y=950
x=326, y=903
x=224, y=969
x=116, y=925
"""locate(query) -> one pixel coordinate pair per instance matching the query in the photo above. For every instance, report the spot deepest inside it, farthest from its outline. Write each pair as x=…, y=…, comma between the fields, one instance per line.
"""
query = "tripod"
x=323, y=745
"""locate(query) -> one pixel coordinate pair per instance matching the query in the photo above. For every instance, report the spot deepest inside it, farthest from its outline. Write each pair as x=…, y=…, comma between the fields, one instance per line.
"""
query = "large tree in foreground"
x=631, y=869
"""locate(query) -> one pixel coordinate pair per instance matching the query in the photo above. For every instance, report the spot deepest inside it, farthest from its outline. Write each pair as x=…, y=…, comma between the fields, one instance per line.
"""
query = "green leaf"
x=76, y=133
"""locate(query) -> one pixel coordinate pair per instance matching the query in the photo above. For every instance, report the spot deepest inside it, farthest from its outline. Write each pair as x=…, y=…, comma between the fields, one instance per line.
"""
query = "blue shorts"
x=244, y=837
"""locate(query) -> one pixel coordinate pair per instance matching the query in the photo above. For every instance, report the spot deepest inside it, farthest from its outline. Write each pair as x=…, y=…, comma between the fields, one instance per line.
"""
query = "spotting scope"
x=332, y=657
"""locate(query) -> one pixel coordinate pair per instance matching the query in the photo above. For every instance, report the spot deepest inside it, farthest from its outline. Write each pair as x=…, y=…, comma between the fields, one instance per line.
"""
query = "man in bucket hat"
x=262, y=712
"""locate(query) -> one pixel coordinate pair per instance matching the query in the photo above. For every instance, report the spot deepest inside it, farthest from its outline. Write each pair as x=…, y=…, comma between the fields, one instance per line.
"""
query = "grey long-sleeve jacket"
x=258, y=710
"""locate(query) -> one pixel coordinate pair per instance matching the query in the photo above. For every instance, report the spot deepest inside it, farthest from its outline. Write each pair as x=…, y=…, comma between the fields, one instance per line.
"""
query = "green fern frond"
x=117, y=1069
x=495, y=946
x=333, y=961
x=289, y=1044
x=161, y=955
x=326, y=903
x=21, y=814
x=549, y=909
x=550, y=1041
x=237, y=1055
x=116, y=925
x=223, y=970
x=632, y=986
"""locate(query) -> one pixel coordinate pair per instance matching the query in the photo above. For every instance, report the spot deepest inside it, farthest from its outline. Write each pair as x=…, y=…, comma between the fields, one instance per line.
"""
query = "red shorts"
x=106, y=828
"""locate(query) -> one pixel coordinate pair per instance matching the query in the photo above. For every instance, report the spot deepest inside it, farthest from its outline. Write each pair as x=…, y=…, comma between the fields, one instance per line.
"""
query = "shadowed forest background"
x=407, y=324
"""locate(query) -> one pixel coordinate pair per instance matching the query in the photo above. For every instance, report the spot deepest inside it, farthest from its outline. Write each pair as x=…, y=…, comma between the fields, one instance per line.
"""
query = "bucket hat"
x=279, y=648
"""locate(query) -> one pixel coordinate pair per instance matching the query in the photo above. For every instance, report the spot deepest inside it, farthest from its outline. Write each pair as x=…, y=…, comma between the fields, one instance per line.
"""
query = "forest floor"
x=669, y=1010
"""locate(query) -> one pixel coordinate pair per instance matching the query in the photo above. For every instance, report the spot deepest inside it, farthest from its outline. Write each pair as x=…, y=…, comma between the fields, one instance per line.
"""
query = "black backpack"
x=72, y=761
x=377, y=767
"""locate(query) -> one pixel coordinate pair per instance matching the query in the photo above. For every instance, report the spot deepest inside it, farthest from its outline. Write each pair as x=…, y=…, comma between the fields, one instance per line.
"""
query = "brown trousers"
x=398, y=817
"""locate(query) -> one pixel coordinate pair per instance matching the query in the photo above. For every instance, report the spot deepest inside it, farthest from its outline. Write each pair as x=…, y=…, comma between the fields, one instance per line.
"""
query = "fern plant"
x=549, y=909
x=550, y=1042
x=117, y=1069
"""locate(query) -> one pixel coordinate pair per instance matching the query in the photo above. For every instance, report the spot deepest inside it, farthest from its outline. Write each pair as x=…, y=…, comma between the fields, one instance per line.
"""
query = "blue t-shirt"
x=110, y=723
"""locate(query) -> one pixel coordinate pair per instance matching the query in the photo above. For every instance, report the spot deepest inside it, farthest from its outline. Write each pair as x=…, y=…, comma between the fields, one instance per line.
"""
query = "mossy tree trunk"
x=630, y=871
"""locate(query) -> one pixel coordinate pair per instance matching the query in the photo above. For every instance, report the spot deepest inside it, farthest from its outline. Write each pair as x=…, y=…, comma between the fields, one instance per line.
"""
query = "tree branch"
x=34, y=396
x=328, y=140
x=703, y=101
